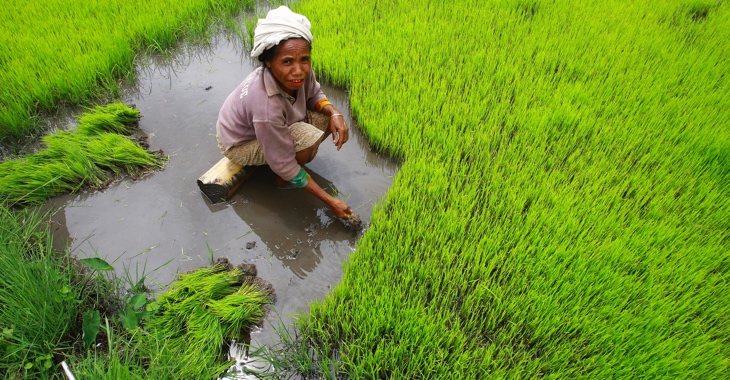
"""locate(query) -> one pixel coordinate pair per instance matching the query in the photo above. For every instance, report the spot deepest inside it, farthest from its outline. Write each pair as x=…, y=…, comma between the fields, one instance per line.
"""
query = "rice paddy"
x=56, y=53
x=563, y=206
x=562, y=210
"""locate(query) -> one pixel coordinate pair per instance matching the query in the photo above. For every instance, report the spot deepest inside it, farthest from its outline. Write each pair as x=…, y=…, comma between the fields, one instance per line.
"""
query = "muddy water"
x=161, y=224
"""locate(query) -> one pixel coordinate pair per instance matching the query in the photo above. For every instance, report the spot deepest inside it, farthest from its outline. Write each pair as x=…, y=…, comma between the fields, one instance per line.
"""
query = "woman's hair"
x=269, y=53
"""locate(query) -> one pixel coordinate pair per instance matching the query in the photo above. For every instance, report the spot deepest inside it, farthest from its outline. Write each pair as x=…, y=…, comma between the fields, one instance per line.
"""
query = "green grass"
x=38, y=298
x=562, y=210
x=55, y=53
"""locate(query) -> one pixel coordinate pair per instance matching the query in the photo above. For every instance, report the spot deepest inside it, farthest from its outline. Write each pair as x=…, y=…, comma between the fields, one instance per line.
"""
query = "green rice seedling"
x=201, y=312
x=119, y=154
x=82, y=158
x=72, y=52
x=114, y=118
x=93, y=124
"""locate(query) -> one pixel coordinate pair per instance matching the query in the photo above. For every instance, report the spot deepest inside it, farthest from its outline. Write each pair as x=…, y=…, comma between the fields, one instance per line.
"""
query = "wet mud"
x=161, y=224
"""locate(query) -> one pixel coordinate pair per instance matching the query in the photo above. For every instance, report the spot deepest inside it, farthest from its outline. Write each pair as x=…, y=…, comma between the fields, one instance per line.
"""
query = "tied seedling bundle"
x=205, y=310
x=89, y=156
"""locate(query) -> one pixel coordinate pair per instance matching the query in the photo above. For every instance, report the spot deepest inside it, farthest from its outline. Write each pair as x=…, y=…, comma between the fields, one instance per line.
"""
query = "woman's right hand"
x=341, y=209
x=338, y=207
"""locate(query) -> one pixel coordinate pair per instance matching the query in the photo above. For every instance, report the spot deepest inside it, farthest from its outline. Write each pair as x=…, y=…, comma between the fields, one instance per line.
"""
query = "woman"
x=269, y=117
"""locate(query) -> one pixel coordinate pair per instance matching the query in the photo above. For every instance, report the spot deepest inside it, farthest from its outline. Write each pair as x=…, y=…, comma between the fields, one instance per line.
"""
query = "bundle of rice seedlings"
x=85, y=157
x=205, y=309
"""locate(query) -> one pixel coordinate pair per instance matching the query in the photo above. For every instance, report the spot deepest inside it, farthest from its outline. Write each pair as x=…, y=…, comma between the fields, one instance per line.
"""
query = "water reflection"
x=292, y=224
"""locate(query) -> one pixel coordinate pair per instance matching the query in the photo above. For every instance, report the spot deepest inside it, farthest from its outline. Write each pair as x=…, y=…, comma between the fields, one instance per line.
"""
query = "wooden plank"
x=222, y=180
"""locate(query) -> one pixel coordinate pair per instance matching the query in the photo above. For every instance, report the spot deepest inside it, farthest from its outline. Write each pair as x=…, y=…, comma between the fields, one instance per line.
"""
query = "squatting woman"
x=278, y=115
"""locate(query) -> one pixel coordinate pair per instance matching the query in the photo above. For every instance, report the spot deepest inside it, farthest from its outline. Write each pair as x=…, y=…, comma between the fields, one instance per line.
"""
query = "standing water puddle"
x=162, y=224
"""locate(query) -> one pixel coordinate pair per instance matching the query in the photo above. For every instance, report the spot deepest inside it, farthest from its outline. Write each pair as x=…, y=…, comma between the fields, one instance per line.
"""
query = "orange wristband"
x=321, y=104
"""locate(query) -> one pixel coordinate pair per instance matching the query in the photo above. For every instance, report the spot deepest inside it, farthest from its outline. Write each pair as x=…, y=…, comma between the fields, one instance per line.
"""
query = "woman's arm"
x=304, y=181
x=338, y=207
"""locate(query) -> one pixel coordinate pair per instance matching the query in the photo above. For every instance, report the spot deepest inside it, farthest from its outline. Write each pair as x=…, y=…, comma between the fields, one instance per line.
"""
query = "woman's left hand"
x=340, y=132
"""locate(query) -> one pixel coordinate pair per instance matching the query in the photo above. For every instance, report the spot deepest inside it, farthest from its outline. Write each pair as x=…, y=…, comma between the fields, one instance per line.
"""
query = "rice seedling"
x=562, y=207
x=203, y=311
x=82, y=158
x=54, y=53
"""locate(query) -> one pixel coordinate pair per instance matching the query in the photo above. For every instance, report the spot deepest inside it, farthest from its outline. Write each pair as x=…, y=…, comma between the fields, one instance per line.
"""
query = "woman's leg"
x=307, y=138
x=307, y=155
x=246, y=154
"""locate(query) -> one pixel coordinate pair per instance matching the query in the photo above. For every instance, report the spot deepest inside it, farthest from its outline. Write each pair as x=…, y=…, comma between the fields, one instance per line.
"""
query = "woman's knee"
x=306, y=156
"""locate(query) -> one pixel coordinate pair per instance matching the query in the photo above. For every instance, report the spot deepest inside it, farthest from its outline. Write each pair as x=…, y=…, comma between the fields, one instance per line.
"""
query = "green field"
x=55, y=53
x=564, y=205
x=563, y=208
x=53, y=308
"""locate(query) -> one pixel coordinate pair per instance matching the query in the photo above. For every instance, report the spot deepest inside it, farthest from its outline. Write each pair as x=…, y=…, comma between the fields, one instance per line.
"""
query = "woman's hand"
x=340, y=209
x=340, y=132
x=337, y=126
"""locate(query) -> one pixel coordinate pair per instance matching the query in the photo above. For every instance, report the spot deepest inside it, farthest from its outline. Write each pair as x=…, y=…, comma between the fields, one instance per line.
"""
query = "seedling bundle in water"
x=87, y=156
x=206, y=309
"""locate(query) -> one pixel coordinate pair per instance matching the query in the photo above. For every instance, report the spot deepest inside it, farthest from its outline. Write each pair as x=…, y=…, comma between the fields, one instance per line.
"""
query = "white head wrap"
x=280, y=24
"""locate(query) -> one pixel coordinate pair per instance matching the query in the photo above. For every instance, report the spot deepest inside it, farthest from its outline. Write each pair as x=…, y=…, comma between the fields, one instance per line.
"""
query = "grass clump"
x=71, y=160
x=562, y=207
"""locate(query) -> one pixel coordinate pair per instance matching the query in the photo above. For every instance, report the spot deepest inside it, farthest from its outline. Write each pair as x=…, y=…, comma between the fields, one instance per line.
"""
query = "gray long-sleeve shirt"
x=258, y=109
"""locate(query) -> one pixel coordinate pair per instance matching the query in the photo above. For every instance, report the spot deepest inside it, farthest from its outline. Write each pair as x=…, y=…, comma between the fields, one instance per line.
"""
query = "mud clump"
x=354, y=223
x=248, y=269
x=247, y=275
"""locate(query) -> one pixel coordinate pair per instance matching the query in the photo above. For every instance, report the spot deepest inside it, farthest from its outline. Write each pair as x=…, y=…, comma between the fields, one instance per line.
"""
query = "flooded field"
x=161, y=225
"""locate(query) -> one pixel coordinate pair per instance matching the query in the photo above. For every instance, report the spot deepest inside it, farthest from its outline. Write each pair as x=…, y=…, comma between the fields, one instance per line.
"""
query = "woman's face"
x=291, y=64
